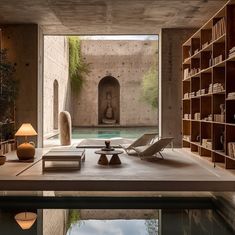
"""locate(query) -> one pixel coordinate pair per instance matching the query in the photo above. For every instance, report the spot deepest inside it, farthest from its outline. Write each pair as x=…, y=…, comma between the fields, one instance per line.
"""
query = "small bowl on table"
x=2, y=159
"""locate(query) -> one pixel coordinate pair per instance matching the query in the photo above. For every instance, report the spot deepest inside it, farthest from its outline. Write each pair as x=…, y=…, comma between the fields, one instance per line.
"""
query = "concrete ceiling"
x=108, y=16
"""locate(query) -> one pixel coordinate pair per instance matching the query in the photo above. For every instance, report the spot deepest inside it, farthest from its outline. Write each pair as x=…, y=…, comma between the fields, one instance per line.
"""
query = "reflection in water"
x=115, y=227
x=118, y=222
x=150, y=222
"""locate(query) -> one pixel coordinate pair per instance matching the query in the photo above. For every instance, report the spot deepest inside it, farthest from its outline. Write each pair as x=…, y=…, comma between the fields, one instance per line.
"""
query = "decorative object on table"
x=26, y=219
x=107, y=146
x=65, y=127
x=2, y=159
x=103, y=160
x=63, y=155
x=26, y=150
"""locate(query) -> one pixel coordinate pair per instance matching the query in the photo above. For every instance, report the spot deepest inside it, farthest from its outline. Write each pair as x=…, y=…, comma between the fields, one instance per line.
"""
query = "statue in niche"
x=109, y=113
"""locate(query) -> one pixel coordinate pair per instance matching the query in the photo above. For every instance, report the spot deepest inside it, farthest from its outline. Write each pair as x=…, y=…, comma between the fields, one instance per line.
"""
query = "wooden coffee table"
x=67, y=155
x=115, y=160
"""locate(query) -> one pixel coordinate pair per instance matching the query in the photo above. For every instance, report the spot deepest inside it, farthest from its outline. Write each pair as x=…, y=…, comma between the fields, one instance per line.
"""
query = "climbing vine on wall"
x=150, y=82
x=78, y=68
x=150, y=87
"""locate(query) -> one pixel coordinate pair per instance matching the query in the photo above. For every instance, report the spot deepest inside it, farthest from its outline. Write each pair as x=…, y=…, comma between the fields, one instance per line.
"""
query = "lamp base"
x=25, y=151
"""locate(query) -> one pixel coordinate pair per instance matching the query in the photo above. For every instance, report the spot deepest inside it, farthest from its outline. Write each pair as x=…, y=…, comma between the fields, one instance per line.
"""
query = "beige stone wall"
x=56, y=63
x=127, y=61
x=54, y=221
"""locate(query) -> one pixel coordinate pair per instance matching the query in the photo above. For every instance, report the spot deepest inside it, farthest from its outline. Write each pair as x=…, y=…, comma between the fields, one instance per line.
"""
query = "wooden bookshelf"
x=208, y=90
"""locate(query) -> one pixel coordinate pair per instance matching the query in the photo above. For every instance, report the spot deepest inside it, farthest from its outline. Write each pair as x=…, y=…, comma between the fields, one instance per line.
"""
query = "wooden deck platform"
x=179, y=171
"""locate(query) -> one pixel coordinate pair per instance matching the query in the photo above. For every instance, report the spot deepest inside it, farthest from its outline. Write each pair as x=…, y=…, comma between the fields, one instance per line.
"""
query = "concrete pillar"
x=22, y=44
x=170, y=82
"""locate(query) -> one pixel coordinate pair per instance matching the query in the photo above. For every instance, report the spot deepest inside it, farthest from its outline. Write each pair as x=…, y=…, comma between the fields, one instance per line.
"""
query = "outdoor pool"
x=109, y=132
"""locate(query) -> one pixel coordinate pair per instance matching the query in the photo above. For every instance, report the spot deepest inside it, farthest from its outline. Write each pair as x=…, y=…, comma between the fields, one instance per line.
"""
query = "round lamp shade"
x=26, y=219
x=26, y=129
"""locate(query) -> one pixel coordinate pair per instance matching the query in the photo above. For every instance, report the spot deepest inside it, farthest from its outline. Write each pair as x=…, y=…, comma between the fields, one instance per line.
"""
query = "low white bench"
x=65, y=155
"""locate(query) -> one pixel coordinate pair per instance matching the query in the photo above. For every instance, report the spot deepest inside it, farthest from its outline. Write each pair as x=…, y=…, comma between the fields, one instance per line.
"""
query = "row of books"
x=231, y=52
x=218, y=29
x=190, y=72
x=216, y=60
x=189, y=95
x=219, y=117
x=187, y=116
x=216, y=87
x=231, y=96
x=6, y=147
x=197, y=116
x=231, y=149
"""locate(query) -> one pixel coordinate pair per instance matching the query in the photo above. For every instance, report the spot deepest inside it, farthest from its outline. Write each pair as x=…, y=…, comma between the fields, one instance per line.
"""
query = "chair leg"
x=161, y=155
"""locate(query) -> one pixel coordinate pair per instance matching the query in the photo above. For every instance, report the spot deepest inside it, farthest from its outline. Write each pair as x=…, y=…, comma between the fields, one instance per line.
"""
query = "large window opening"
x=108, y=84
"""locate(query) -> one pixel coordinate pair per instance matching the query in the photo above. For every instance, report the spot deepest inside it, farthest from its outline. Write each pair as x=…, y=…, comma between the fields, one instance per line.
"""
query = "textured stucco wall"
x=171, y=82
x=127, y=61
x=56, y=62
x=54, y=221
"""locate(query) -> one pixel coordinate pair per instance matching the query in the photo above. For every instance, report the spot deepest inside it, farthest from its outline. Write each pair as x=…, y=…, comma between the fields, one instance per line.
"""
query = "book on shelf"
x=186, y=73
x=186, y=95
x=207, y=143
x=216, y=60
x=231, y=52
x=218, y=29
x=187, y=137
x=231, y=96
x=197, y=116
x=7, y=146
x=231, y=149
x=204, y=45
x=219, y=117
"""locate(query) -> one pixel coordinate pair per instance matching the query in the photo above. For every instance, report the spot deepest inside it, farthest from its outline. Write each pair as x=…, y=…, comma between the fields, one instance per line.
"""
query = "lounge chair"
x=144, y=140
x=153, y=149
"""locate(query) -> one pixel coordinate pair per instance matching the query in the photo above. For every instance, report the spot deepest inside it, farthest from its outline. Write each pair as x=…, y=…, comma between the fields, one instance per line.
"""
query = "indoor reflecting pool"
x=114, y=222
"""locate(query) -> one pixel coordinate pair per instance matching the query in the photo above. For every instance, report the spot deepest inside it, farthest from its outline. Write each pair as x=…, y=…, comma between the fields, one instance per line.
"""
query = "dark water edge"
x=114, y=215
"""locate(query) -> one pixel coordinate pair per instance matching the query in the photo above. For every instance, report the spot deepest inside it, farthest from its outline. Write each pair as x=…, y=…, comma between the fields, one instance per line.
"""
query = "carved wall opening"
x=109, y=101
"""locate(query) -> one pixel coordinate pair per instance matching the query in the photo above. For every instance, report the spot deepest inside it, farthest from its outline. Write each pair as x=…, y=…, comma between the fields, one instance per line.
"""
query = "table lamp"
x=26, y=150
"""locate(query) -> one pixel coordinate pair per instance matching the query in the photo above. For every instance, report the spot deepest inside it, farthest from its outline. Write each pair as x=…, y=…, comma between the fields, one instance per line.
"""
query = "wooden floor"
x=179, y=171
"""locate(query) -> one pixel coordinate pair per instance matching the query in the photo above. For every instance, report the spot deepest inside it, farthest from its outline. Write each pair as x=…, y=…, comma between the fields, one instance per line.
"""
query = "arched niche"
x=109, y=101
x=55, y=104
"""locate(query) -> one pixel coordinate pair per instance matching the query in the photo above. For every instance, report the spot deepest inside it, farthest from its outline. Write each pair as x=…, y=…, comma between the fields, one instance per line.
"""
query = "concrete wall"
x=170, y=72
x=127, y=61
x=22, y=44
x=54, y=221
x=56, y=64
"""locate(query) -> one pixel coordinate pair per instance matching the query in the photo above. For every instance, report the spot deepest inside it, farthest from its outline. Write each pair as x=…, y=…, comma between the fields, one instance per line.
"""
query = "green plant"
x=73, y=218
x=78, y=68
x=150, y=87
x=8, y=86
